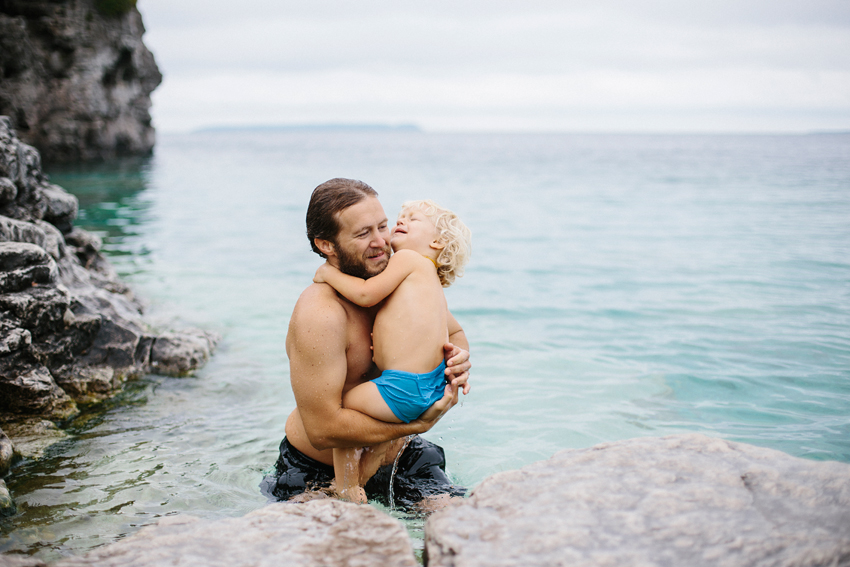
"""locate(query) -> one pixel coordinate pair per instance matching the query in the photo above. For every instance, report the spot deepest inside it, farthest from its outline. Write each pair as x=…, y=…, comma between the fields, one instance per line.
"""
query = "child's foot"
x=354, y=494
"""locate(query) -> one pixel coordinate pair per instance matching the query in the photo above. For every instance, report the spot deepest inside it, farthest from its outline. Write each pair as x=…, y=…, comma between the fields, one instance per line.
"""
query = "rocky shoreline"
x=71, y=332
x=682, y=500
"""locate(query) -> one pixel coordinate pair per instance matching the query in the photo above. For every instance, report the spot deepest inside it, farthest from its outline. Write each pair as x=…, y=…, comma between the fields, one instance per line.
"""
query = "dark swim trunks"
x=421, y=472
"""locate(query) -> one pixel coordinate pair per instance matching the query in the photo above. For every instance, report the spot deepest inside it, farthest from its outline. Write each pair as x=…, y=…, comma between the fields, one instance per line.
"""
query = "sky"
x=499, y=66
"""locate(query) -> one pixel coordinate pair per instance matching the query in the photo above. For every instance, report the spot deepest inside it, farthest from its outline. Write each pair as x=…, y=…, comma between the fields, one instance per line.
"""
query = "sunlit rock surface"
x=75, y=81
x=680, y=500
x=322, y=532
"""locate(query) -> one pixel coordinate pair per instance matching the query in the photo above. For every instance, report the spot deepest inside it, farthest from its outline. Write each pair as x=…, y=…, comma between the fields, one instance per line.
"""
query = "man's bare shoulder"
x=319, y=302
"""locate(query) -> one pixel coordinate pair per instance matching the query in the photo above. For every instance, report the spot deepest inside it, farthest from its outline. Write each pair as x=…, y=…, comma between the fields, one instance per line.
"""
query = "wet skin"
x=329, y=348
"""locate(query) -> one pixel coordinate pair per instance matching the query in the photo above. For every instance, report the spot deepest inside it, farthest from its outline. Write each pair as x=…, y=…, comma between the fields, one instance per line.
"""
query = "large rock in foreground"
x=321, y=532
x=76, y=77
x=680, y=500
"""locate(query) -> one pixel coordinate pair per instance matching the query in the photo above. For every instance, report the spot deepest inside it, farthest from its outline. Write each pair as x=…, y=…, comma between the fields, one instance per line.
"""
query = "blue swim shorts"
x=407, y=394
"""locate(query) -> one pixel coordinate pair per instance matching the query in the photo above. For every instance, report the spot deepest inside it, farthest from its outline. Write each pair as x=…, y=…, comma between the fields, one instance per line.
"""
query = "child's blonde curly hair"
x=456, y=236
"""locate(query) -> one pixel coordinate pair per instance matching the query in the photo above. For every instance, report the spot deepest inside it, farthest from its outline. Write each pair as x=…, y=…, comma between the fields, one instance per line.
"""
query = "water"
x=620, y=286
x=391, y=493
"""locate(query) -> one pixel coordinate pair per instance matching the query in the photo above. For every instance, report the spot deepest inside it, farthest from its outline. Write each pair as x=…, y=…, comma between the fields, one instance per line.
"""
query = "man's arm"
x=316, y=345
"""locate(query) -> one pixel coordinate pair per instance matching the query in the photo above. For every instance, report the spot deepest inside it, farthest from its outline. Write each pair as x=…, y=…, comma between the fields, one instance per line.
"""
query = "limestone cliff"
x=76, y=80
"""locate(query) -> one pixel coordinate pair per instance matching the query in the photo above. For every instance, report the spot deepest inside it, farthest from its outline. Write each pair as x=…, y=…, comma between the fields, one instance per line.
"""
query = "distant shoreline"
x=310, y=127
x=414, y=128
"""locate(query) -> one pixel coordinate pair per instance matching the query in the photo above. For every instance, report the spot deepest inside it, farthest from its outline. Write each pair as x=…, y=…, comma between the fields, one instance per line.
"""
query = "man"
x=329, y=349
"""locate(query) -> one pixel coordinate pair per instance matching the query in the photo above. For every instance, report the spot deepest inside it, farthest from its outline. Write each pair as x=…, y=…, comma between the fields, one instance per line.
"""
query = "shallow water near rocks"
x=620, y=286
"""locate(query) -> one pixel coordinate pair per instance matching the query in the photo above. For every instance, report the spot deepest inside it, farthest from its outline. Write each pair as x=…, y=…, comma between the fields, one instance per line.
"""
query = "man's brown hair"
x=327, y=200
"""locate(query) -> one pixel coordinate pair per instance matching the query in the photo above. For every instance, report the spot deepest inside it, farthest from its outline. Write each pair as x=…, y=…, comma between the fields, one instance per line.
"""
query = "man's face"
x=363, y=243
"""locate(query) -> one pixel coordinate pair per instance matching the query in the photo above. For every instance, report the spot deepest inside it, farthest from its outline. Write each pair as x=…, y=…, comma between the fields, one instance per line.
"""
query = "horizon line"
x=415, y=128
x=408, y=127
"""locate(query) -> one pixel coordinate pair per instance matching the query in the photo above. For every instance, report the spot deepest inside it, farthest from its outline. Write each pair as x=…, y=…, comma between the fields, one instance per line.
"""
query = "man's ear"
x=326, y=247
x=437, y=244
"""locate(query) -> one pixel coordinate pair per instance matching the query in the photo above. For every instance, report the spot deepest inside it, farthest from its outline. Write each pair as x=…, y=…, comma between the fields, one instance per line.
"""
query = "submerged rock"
x=322, y=532
x=178, y=354
x=76, y=80
x=680, y=500
x=32, y=435
x=7, y=505
x=7, y=453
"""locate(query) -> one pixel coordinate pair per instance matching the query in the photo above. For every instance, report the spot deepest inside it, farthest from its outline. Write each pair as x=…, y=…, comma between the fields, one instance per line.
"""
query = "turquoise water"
x=620, y=286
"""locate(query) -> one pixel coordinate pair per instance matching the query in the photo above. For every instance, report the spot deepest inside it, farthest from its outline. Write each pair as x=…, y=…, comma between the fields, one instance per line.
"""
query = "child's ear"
x=326, y=247
x=437, y=244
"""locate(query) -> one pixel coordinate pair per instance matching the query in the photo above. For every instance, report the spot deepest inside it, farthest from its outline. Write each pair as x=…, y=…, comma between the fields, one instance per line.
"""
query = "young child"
x=431, y=247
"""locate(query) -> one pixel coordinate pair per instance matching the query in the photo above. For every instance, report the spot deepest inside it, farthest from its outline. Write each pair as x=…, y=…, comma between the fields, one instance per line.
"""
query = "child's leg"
x=354, y=466
x=347, y=474
x=377, y=456
x=366, y=398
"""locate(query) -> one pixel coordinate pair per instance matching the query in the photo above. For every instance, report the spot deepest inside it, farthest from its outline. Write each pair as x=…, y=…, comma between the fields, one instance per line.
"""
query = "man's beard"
x=354, y=265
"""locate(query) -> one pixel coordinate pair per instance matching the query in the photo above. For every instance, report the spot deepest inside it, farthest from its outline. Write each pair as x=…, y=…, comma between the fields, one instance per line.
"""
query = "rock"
x=21, y=164
x=60, y=207
x=71, y=330
x=20, y=561
x=29, y=388
x=7, y=453
x=86, y=246
x=13, y=339
x=41, y=310
x=180, y=354
x=8, y=191
x=680, y=500
x=54, y=242
x=31, y=435
x=12, y=230
x=322, y=532
x=7, y=505
x=88, y=384
x=24, y=265
x=76, y=80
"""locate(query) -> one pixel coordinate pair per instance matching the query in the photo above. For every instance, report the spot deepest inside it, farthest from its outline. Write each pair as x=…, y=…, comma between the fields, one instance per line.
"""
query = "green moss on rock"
x=114, y=7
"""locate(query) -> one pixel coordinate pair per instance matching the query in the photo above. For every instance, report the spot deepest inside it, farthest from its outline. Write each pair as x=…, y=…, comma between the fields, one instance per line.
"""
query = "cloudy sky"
x=497, y=65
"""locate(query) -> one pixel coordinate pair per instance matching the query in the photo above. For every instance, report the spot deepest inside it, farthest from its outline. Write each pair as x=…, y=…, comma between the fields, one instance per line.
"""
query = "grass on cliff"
x=114, y=7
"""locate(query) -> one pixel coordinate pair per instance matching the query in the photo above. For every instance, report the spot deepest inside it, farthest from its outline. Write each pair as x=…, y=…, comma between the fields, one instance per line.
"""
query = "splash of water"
x=391, y=495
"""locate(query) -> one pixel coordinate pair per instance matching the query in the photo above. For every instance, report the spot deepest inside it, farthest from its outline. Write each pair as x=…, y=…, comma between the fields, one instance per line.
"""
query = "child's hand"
x=320, y=273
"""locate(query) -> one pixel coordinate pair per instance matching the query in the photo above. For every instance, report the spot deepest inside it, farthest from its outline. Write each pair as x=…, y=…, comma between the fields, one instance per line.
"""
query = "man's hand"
x=433, y=414
x=457, y=368
x=457, y=373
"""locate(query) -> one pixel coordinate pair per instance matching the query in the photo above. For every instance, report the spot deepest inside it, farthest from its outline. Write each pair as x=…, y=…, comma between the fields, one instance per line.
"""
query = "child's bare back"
x=410, y=328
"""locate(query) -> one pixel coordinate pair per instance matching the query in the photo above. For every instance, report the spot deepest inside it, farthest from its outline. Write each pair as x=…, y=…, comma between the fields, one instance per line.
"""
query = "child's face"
x=414, y=230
